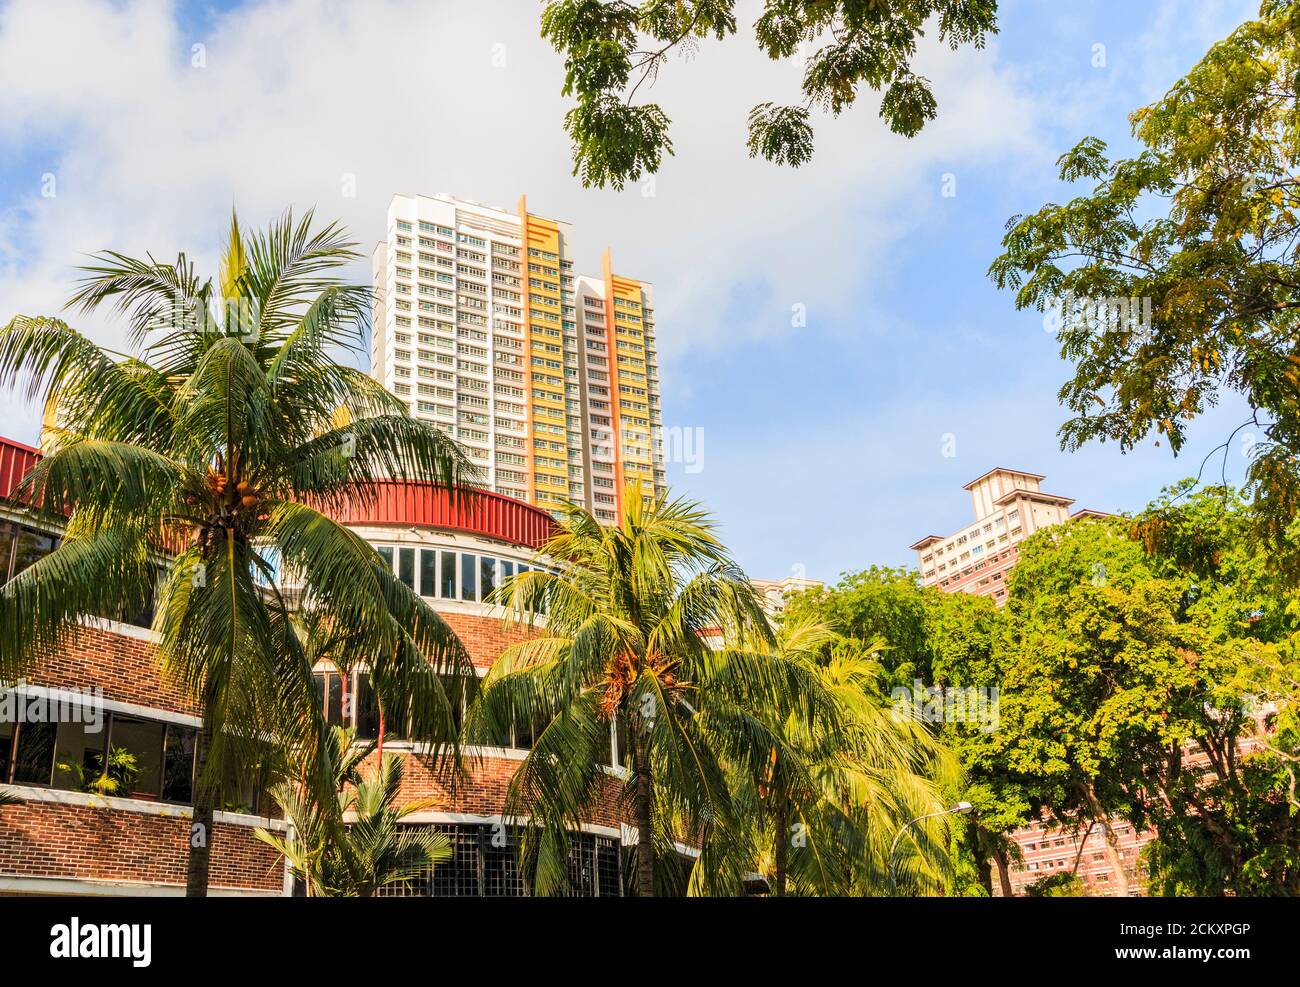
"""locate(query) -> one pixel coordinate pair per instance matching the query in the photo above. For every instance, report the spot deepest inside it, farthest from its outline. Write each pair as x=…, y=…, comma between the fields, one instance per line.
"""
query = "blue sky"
x=823, y=443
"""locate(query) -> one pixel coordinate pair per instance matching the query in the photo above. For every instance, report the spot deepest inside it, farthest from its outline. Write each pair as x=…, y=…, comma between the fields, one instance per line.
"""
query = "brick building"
x=104, y=691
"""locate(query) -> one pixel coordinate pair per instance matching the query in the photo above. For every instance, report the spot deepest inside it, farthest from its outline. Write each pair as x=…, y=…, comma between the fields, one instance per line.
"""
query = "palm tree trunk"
x=200, y=857
x=781, y=850
x=644, y=799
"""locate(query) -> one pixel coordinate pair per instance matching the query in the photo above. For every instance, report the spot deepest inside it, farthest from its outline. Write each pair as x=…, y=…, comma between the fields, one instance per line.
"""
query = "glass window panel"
x=468, y=567
x=448, y=588
x=334, y=699
x=487, y=575
x=241, y=788
x=397, y=722
x=142, y=614
x=386, y=553
x=525, y=733
x=32, y=547
x=143, y=741
x=406, y=566
x=8, y=535
x=367, y=709
x=6, y=748
x=428, y=572
x=507, y=569
x=178, y=764
x=34, y=762
x=79, y=756
x=451, y=685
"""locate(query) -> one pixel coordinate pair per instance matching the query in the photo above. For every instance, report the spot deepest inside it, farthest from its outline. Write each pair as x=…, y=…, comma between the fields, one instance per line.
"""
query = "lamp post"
x=961, y=808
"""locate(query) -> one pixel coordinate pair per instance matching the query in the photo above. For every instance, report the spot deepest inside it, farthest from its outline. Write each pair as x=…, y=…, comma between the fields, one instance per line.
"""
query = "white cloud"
x=151, y=152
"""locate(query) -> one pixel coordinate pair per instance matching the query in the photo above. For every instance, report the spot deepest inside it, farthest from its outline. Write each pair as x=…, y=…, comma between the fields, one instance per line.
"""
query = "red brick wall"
x=484, y=792
x=126, y=668
x=53, y=840
x=485, y=637
x=44, y=839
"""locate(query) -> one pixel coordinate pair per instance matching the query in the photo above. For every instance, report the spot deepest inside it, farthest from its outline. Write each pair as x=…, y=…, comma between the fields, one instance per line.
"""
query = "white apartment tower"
x=549, y=379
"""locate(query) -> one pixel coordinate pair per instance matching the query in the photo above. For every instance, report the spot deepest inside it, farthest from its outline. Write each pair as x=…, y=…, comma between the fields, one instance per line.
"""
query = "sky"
x=829, y=338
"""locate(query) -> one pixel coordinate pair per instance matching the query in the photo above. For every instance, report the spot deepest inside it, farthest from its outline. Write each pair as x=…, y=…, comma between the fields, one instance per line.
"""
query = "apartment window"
x=448, y=587
x=145, y=741
x=178, y=763
x=468, y=582
x=21, y=547
x=487, y=575
x=406, y=566
x=146, y=759
x=428, y=572
x=329, y=690
x=7, y=731
x=367, y=709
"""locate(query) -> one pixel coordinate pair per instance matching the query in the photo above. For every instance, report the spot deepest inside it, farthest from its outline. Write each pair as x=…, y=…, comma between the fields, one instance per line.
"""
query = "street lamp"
x=960, y=809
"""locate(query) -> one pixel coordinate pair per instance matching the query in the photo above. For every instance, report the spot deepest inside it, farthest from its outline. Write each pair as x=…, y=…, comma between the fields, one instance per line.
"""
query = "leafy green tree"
x=963, y=634
x=1132, y=691
x=1066, y=884
x=1233, y=824
x=629, y=611
x=1094, y=663
x=936, y=639
x=1174, y=277
x=199, y=471
x=877, y=604
x=353, y=843
x=612, y=48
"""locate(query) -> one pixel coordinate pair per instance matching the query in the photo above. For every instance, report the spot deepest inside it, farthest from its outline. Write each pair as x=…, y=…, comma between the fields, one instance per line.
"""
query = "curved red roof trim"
x=477, y=512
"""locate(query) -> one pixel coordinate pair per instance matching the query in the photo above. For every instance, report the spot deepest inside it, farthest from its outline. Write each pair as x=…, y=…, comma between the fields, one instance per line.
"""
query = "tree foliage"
x=351, y=842
x=612, y=48
x=630, y=610
x=1137, y=688
x=821, y=815
x=1201, y=226
x=1147, y=671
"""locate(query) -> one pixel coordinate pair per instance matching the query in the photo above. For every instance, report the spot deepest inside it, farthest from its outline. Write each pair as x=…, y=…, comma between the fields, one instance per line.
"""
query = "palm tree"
x=353, y=843
x=628, y=612
x=7, y=799
x=822, y=812
x=200, y=470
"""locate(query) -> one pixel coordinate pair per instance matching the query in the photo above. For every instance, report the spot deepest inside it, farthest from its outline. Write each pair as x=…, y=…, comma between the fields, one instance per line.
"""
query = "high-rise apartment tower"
x=548, y=378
